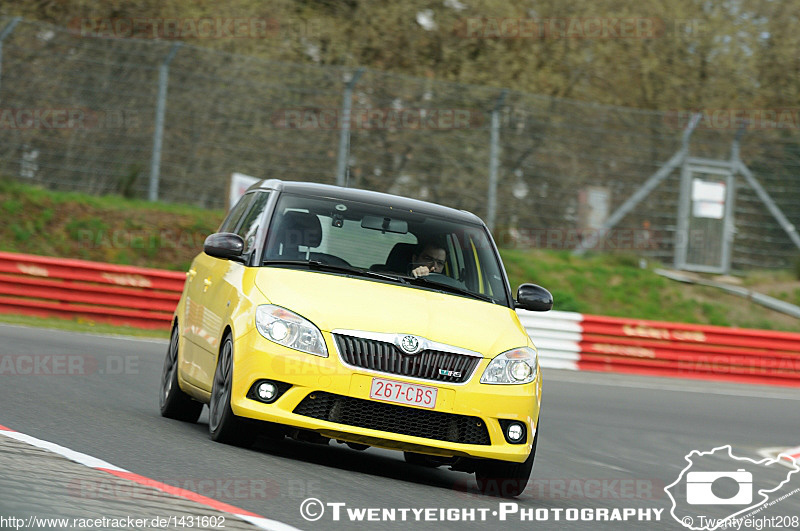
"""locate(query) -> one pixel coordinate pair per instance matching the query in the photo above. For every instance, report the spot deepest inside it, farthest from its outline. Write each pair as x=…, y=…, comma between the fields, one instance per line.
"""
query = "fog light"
x=515, y=432
x=266, y=391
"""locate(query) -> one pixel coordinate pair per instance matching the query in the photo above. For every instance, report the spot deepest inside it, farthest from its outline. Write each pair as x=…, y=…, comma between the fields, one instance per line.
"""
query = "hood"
x=332, y=301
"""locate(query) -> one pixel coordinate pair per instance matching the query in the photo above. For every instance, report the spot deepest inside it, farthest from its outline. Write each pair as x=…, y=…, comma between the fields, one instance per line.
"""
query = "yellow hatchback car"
x=321, y=313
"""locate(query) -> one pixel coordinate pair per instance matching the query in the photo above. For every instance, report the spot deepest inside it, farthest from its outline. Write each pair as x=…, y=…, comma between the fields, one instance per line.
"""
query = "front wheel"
x=223, y=425
x=173, y=402
x=501, y=478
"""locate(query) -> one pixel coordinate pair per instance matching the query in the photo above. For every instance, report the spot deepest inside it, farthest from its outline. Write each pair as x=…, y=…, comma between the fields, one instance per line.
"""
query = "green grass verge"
x=616, y=285
x=106, y=229
x=166, y=236
x=81, y=325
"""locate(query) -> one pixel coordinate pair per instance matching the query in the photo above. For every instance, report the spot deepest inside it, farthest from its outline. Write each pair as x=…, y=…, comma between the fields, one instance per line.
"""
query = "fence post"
x=158, y=133
x=5, y=33
x=491, y=208
x=681, y=247
x=344, y=133
x=590, y=241
x=729, y=229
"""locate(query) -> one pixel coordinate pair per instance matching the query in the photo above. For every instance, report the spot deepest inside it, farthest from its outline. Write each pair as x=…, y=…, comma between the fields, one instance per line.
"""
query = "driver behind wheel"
x=428, y=258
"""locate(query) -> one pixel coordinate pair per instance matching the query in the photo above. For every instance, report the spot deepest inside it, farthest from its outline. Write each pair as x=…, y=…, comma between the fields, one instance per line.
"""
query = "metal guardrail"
x=146, y=298
x=557, y=336
x=759, y=298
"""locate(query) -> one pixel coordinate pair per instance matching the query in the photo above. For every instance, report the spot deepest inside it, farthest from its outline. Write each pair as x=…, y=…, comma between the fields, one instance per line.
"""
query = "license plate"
x=403, y=393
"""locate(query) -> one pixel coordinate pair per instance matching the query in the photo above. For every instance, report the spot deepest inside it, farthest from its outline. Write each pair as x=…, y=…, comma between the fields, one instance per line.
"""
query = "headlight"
x=290, y=330
x=517, y=366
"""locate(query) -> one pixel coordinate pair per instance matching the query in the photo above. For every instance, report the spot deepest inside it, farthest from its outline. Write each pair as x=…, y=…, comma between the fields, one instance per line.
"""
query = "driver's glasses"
x=428, y=259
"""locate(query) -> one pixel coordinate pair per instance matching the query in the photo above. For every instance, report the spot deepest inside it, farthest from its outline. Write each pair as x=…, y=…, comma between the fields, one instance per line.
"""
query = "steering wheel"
x=440, y=278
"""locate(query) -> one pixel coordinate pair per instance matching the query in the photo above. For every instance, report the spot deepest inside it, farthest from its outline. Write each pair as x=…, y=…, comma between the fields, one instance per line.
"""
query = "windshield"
x=383, y=243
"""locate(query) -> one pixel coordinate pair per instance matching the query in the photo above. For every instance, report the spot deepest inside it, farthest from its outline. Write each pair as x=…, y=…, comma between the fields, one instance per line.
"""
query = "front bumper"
x=315, y=378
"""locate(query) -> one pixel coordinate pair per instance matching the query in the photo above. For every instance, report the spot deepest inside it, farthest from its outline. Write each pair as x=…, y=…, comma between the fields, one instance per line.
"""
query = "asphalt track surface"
x=607, y=441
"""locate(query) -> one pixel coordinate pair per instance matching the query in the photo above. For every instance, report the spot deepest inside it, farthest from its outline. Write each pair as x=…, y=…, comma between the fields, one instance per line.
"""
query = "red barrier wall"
x=689, y=351
x=56, y=287
x=146, y=298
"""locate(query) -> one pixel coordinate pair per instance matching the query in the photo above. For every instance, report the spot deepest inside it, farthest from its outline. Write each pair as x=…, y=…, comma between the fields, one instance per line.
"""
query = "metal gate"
x=705, y=216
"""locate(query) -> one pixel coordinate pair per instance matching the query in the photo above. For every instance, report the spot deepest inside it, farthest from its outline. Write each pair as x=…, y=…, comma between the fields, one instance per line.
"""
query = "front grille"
x=386, y=357
x=394, y=419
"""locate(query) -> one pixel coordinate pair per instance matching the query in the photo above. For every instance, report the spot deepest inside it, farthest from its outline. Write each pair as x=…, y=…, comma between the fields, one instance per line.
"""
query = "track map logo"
x=718, y=490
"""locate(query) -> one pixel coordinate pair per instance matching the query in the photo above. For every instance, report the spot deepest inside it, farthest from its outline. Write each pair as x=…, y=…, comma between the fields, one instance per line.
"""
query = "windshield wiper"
x=322, y=266
x=403, y=279
x=449, y=288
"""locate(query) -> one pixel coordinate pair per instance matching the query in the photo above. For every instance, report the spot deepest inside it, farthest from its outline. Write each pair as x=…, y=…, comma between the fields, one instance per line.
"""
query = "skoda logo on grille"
x=410, y=344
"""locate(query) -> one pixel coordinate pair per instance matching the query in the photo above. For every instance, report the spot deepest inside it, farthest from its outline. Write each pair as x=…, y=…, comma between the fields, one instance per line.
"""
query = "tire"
x=501, y=478
x=420, y=460
x=223, y=425
x=174, y=403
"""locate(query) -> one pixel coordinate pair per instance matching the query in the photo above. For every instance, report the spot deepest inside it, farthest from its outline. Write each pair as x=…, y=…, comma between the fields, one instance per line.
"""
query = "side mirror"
x=224, y=245
x=534, y=298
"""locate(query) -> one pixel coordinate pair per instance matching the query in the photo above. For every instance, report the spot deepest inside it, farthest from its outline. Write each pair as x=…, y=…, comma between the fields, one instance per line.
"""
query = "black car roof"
x=366, y=196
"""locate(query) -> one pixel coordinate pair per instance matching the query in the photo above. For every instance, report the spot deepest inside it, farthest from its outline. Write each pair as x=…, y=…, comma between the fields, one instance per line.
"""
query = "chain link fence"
x=86, y=114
